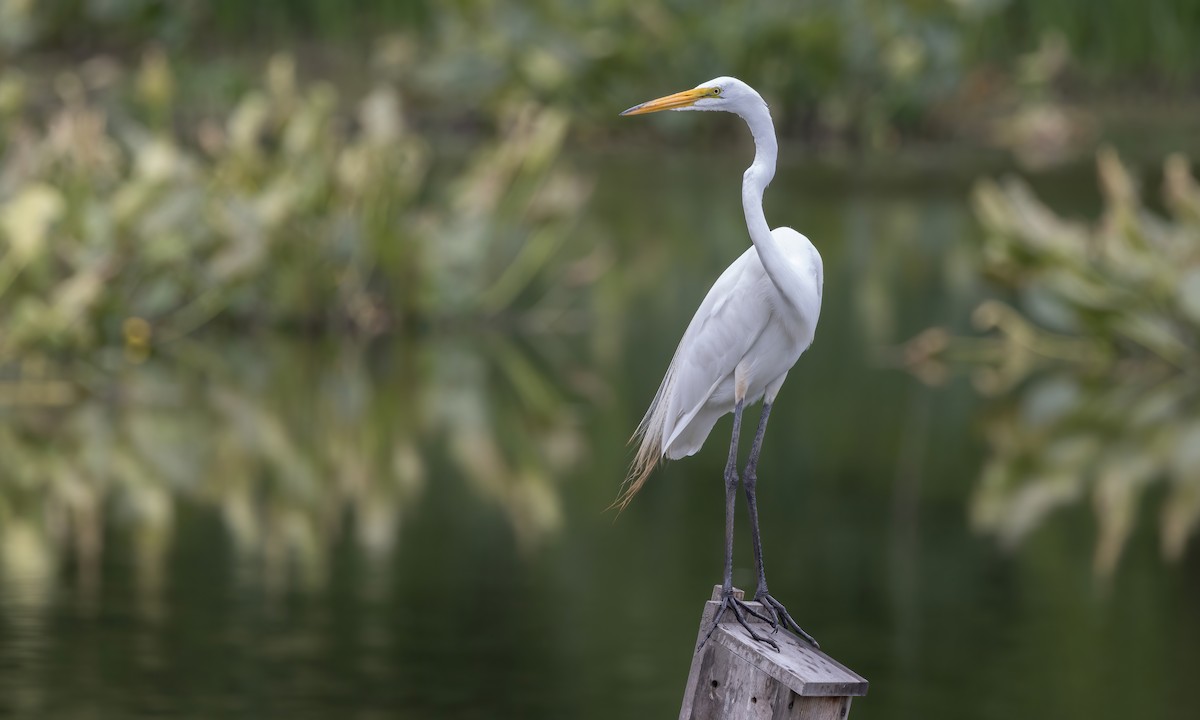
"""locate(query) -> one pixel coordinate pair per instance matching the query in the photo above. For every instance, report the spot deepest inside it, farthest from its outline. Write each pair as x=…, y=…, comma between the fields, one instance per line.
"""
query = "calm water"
x=260, y=527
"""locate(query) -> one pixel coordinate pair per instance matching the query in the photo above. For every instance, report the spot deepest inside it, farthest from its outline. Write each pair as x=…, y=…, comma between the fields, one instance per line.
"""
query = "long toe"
x=786, y=619
x=738, y=606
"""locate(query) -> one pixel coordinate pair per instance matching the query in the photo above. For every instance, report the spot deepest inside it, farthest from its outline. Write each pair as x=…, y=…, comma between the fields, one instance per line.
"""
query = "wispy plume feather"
x=649, y=440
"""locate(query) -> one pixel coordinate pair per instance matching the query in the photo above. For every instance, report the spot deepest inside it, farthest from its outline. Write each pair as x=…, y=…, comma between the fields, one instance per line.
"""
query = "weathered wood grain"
x=733, y=676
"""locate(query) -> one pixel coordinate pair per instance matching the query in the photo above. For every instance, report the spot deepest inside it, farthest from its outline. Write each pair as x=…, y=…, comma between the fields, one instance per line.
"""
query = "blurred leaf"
x=26, y=218
x=1109, y=400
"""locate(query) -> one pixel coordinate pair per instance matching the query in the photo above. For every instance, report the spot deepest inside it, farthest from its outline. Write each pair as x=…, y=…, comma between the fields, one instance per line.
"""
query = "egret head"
x=723, y=93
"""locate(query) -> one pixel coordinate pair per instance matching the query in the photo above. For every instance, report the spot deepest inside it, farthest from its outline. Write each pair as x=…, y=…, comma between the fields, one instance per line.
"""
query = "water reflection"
x=254, y=526
x=294, y=447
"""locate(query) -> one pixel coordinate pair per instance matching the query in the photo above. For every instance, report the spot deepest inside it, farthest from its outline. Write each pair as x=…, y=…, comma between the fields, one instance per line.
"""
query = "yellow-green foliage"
x=1102, y=355
x=119, y=222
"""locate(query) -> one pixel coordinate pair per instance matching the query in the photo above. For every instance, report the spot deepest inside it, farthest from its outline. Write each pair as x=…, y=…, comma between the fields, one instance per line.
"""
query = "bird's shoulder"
x=802, y=254
x=796, y=247
x=742, y=301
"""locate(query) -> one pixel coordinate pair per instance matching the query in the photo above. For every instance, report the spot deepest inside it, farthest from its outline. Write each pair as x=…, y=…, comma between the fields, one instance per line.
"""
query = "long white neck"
x=754, y=182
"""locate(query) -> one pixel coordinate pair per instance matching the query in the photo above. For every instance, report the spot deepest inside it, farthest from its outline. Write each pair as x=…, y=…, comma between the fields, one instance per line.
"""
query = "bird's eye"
x=716, y=91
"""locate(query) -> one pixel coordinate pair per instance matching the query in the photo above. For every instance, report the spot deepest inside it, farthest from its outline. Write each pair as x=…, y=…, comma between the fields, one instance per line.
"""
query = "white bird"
x=751, y=328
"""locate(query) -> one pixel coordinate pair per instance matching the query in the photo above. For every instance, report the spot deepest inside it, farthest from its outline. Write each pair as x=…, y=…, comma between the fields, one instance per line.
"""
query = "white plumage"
x=743, y=330
x=755, y=321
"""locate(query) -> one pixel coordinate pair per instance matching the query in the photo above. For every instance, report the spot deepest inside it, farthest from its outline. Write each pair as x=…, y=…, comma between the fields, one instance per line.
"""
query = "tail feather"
x=649, y=440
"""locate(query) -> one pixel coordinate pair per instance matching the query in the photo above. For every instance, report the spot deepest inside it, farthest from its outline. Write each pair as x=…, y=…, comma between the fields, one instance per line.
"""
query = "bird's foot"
x=740, y=611
x=780, y=616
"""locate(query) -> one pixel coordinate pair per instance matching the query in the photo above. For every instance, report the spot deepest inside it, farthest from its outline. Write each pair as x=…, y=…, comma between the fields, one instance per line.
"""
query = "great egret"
x=752, y=327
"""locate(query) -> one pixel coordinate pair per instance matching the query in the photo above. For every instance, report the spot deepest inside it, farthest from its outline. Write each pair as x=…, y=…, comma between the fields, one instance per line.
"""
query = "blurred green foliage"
x=862, y=68
x=1099, y=361
x=1113, y=40
x=126, y=228
x=117, y=224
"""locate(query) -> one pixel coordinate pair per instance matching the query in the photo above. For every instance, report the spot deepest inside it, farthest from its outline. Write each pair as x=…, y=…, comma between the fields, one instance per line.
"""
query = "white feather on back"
x=744, y=329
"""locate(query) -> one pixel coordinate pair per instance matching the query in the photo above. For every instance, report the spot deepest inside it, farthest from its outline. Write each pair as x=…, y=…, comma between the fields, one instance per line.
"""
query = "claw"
x=774, y=619
x=781, y=614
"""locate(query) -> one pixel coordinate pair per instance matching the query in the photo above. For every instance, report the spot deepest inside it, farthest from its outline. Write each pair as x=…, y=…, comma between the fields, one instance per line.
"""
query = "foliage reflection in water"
x=289, y=472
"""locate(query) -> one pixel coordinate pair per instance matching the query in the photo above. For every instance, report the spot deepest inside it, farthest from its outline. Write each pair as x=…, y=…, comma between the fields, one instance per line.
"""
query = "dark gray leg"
x=752, y=498
x=731, y=483
x=727, y=599
x=750, y=483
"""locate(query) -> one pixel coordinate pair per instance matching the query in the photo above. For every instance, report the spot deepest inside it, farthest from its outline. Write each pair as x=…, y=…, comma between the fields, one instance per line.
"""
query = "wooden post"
x=735, y=677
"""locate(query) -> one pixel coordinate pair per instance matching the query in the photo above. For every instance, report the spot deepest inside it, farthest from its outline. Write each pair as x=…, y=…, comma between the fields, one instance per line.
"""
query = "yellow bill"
x=672, y=102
